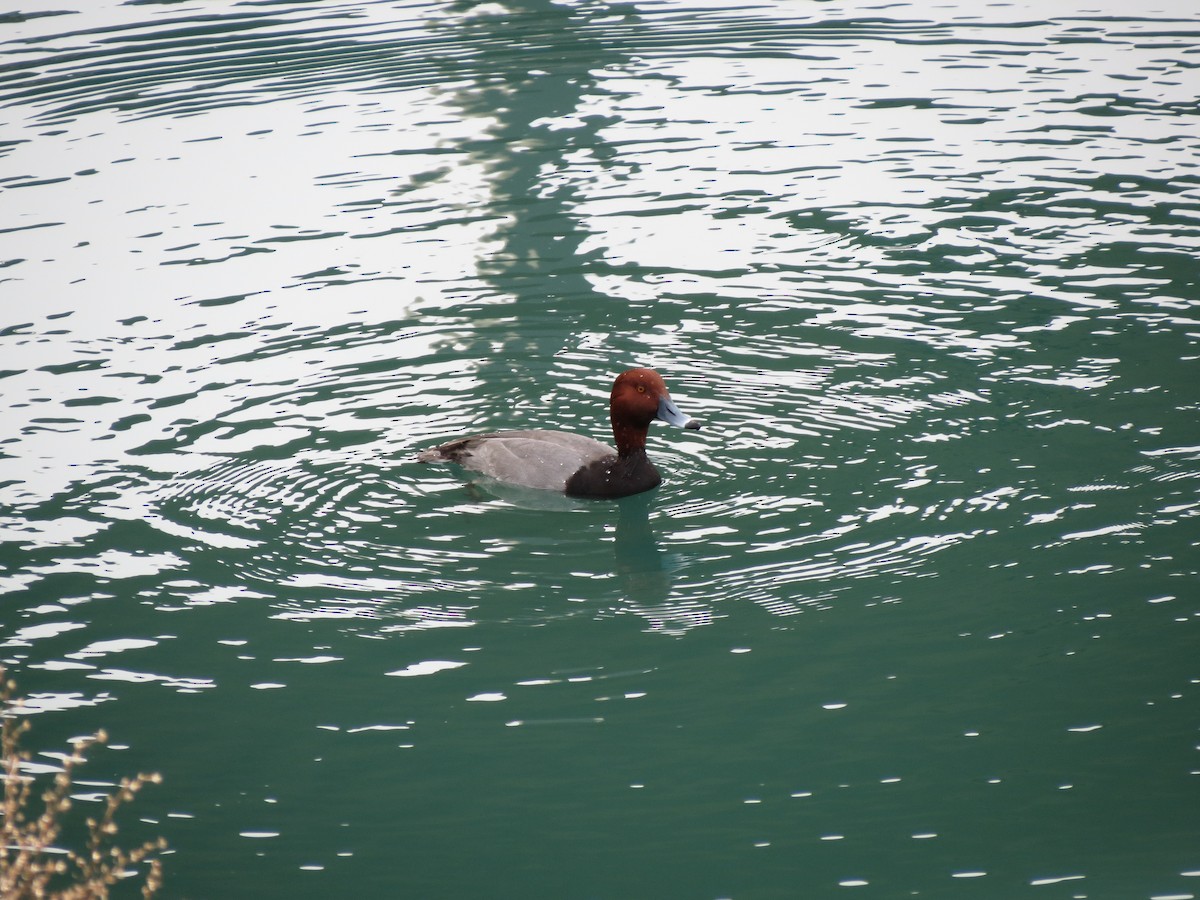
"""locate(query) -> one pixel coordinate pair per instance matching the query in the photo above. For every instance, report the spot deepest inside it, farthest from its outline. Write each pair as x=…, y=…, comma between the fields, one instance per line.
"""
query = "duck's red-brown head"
x=639, y=396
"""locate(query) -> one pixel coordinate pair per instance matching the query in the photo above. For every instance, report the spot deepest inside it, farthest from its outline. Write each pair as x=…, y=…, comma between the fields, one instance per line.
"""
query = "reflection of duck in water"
x=645, y=576
x=572, y=463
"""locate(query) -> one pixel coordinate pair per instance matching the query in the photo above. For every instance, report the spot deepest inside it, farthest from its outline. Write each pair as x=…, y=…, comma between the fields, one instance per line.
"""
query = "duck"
x=573, y=464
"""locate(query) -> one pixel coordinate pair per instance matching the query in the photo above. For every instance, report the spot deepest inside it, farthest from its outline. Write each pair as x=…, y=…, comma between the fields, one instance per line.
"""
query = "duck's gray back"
x=536, y=459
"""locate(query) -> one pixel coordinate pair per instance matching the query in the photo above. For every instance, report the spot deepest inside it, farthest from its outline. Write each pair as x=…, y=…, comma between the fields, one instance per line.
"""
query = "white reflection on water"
x=104, y=648
x=427, y=667
x=185, y=685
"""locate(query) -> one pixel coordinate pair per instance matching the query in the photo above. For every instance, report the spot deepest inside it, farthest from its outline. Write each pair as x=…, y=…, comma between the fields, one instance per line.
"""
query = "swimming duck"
x=571, y=463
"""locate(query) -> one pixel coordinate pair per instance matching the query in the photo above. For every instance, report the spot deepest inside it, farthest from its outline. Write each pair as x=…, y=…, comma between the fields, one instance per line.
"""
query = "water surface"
x=916, y=615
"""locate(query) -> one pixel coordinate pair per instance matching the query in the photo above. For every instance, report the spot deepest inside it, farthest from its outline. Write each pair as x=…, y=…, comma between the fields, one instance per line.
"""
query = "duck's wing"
x=536, y=459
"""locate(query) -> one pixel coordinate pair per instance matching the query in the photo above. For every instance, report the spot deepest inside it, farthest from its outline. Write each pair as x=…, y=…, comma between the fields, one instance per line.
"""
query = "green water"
x=914, y=615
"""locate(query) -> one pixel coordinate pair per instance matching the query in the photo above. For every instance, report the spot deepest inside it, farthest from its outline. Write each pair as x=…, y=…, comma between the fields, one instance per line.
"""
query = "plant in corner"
x=32, y=864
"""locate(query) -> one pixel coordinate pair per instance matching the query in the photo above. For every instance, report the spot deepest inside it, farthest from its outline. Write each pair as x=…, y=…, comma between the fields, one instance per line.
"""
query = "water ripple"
x=181, y=64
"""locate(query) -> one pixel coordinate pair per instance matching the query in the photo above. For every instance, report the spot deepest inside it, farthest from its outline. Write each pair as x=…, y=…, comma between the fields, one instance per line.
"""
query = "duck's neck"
x=630, y=439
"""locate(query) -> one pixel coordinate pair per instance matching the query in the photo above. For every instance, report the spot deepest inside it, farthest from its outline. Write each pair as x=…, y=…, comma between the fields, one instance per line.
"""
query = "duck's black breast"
x=615, y=476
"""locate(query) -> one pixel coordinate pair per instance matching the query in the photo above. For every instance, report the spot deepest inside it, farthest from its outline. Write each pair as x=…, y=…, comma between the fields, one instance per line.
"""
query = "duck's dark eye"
x=641, y=389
